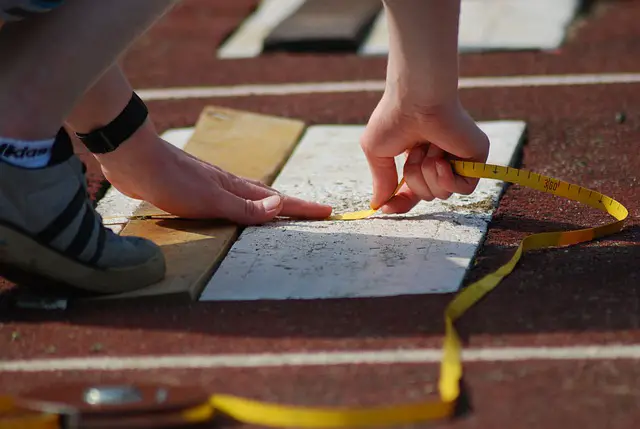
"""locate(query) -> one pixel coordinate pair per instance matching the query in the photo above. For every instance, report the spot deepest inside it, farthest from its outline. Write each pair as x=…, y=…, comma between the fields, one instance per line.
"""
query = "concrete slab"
x=425, y=251
x=497, y=25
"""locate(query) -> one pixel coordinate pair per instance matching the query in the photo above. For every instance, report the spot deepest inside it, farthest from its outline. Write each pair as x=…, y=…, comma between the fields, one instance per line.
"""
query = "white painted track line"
x=428, y=251
x=378, y=86
x=375, y=357
x=246, y=41
x=115, y=207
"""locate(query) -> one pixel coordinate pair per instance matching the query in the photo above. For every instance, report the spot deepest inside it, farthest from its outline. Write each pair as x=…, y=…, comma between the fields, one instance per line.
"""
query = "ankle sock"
x=26, y=154
x=32, y=154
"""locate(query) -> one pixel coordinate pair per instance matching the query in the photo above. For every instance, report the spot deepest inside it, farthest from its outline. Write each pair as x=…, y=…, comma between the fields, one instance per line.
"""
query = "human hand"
x=429, y=136
x=178, y=183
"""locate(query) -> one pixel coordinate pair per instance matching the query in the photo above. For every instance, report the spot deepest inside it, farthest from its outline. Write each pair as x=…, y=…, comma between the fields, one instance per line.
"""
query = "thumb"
x=250, y=212
x=379, y=144
x=385, y=179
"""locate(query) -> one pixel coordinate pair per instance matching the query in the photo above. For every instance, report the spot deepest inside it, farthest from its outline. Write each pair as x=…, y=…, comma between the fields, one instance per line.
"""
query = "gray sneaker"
x=50, y=232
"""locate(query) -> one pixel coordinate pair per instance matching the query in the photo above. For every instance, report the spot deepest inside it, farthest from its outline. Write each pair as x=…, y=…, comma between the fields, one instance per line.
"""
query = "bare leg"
x=49, y=61
x=49, y=230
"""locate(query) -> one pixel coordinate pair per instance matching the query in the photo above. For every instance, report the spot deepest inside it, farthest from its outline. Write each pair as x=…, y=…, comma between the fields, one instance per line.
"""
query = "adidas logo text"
x=8, y=150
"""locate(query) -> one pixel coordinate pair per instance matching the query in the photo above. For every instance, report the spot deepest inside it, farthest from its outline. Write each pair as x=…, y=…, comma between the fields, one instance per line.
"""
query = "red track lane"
x=523, y=395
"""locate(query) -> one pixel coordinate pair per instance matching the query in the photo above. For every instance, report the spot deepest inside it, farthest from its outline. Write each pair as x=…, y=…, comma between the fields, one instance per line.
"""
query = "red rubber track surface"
x=587, y=294
x=523, y=395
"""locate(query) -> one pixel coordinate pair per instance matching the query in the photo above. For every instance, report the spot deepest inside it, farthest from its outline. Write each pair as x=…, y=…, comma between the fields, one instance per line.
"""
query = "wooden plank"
x=193, y=250
x=324, y=26
x=247, y=144
x=427, y=250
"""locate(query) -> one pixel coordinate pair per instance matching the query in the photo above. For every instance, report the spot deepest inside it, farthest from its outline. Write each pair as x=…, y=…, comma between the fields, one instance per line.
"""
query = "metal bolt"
x=161, y=395
x=112, y=395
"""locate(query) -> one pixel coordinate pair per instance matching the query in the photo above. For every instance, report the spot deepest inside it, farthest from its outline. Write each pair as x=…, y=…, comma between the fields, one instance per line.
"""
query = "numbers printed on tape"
x=550, y=184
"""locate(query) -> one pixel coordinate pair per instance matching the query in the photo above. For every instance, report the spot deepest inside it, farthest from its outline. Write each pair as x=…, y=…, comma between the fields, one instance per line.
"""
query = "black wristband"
x=108, y=138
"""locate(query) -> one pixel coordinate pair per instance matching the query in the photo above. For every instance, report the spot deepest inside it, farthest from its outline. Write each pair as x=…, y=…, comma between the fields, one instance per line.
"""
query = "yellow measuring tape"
x=13, y=418
x=264, y=414
x=274, y=415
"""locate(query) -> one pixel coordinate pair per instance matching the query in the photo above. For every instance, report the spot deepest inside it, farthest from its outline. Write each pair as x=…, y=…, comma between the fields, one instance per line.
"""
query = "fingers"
x=381, y=142
x=453, y=135
x=413, y=173
x=431, y=168
x=429, y=175
x=475, y=144
x=423, y=182
x=403, y=202
x=249, y=212
x=298, y=208
x=451, y=182
x=291, y=206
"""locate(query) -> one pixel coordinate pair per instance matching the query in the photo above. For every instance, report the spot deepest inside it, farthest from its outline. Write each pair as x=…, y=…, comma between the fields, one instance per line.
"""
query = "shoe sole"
x=24, y=260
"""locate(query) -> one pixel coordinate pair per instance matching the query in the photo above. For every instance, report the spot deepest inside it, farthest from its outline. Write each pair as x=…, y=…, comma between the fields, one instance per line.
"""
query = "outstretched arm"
x=423, y=48
x=147, y=167
x=420, y=113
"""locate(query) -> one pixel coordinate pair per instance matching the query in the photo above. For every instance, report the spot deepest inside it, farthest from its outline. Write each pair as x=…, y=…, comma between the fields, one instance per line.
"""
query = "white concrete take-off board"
x=497, y=25
x=427, y=250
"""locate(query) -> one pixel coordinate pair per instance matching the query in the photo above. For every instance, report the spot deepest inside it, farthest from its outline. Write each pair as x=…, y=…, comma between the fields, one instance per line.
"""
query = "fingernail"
x=440, y=169
x=271, y=203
